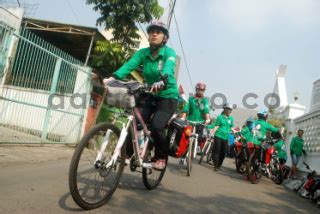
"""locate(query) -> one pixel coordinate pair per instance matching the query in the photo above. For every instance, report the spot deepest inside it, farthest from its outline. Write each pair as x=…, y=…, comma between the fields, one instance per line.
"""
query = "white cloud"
x=254, y=15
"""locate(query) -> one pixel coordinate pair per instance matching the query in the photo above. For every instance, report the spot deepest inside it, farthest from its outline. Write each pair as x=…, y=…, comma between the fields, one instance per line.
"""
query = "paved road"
x=36, y=186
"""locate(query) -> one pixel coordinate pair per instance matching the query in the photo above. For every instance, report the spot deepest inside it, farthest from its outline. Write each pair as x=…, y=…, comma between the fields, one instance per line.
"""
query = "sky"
x=234, y=46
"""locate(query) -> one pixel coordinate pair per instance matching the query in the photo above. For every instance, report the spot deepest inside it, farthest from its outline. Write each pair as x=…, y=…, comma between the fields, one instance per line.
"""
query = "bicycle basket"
x=121, y=94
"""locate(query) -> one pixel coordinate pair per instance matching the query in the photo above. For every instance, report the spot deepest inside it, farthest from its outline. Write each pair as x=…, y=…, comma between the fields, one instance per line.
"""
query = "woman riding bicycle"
x=158, y=61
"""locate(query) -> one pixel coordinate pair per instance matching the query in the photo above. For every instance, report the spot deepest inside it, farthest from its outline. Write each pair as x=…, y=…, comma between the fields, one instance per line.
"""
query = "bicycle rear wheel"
x=91, y=183
x=152, y=178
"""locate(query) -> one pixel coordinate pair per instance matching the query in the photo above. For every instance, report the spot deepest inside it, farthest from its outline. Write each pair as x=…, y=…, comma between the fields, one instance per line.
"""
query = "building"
x=295, y=118
x=310, y=123
x=45, y=84
x=315, y=98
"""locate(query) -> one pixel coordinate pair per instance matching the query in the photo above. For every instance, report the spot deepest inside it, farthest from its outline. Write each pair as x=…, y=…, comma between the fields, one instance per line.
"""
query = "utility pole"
x=172, y=4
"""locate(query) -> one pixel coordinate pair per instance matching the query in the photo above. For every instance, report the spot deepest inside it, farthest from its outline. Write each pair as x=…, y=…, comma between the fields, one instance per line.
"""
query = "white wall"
x=32, y=118
x=310, y=123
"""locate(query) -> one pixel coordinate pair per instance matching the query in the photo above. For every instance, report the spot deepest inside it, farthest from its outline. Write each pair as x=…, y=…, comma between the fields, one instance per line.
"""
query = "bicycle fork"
x=117, y=151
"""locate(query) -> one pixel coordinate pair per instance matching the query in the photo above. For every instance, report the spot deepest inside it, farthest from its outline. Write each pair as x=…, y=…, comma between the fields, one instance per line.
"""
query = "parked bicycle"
x=206, y=151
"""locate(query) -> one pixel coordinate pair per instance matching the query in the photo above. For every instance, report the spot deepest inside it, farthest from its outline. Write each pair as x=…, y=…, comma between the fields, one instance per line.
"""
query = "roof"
x=73, y=39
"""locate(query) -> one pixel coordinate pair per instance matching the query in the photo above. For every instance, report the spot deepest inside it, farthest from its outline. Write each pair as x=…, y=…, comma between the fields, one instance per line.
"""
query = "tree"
x=120, y=16
x=276, y=122
x=108, y=57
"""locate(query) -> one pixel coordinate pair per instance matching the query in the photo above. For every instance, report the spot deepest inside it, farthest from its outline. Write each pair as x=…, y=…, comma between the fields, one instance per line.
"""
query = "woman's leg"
x=164, y=111
x=216, y=150
x=223, y=151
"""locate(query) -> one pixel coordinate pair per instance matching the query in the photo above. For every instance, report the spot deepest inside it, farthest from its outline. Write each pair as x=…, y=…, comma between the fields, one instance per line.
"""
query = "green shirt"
x=247, y=135
x=280, y=146
x=265, y=126
x=225, y=124
x=296, y=145
x=196, y=108
x=165, y=63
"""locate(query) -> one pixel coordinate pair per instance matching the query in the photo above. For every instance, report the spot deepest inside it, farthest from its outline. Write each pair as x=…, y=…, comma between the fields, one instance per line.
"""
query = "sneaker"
x=160, y=164
x=215, y=168
x=181, y=161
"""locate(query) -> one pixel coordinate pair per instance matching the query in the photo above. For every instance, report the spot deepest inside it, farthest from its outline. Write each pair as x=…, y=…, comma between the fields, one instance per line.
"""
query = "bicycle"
x=207, y=150
x=192, y=147
x=101, y=153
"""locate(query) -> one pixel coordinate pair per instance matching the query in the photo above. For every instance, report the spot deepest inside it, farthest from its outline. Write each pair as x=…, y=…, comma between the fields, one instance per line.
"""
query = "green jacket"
x=280, y=146
x=265, y=126
x=225, y=124
x=196, y=108
x=247, y=135
x=165, y=63
x=296, y=145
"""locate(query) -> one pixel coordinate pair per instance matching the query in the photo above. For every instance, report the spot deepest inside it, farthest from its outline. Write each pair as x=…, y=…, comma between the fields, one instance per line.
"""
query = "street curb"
x=37, y=145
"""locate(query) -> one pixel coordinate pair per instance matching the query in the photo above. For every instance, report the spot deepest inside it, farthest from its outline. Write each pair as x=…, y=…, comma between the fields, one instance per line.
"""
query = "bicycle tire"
x=83, y=147
x=252, y=170
x=189, y=158
x=277, y=175
x=203, y=153
x=148, y=171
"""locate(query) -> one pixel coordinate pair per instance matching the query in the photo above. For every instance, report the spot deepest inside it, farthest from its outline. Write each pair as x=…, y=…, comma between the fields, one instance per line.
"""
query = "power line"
x=183, y=53
x=74, y=14
x=171, y=11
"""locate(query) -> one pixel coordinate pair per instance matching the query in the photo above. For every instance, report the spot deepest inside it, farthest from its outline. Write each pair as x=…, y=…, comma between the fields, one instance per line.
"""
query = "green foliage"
x=121, y=16
x=108, y=57
x=276, y=122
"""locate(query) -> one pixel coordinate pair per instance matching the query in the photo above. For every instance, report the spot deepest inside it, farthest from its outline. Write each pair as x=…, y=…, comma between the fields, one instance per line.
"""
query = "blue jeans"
x=295, y=159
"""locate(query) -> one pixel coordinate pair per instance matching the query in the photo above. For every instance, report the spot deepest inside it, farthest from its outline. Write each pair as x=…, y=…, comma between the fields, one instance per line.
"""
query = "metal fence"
x=5, y=32
x=37, y=75
x=34, y=67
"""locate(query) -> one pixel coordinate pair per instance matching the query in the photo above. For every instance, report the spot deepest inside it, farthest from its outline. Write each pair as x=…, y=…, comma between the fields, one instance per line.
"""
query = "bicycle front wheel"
x=189, y=157
x=91, y=182
x=204, y=151
x=252, y=169
x=276, y=171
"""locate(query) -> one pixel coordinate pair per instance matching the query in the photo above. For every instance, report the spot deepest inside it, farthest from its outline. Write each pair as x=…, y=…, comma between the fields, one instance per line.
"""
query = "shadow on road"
x=138, y=199
x=64, y=204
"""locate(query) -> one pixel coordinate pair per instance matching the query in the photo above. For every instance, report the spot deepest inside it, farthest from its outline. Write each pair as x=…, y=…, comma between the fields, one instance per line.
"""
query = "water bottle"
x=141, y=138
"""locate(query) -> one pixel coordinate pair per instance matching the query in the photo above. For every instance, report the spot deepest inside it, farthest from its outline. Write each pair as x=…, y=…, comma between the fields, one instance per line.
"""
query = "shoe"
x=127, y=162
x=181, y=161
x=216, y=168
x=160, y=164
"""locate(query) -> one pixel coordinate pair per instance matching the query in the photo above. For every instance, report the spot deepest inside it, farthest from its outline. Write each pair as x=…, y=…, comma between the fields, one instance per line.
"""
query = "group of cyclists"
x=159, y=61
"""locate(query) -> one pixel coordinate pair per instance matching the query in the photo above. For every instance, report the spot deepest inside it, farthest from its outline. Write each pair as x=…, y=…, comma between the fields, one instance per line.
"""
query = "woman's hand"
x=157, y=86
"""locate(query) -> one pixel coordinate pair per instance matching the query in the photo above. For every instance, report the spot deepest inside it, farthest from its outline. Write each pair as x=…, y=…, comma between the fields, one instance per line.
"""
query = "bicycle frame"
x=131, y=125
x=208, y=141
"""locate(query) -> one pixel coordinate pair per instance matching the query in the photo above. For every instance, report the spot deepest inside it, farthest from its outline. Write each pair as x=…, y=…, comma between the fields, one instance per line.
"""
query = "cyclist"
x=264, y=125
x=247, y=134
x=223, y=126
x=264, y=128
x=158, y=60
x=197, y=109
